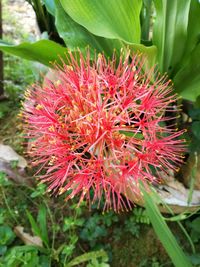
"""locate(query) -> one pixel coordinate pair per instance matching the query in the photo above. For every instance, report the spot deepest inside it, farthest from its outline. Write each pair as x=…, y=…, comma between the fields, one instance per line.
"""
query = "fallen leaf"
x=27, y=238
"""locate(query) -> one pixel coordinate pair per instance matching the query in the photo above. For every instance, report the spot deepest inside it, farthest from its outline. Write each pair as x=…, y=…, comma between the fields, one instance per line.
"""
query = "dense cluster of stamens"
x=101, y=126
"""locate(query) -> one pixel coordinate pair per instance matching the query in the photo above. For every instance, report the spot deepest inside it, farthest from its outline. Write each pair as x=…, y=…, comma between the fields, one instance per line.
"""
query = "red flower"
x=102, y=126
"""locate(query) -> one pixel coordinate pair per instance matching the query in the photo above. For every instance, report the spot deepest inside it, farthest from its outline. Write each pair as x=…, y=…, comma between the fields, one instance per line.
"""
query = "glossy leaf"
x=76, y=36
x=43, y=51
x=50, y=5
x=193, y=27
x=163, y=232
x=187, y=80
x=149, y=52
x=170, y=31
x=116, y=19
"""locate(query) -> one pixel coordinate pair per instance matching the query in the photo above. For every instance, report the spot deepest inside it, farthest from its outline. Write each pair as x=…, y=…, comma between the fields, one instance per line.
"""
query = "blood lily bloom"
x=101, y=126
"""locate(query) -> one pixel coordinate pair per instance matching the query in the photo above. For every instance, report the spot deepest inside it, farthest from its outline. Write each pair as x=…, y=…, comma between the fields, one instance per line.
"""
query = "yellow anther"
x=57, y=83
x=27, y=93
x=52, y=141
x=69, y=67
x=51, y=128
x=89, y=118
x=20, y=114
x=133, y=68
x=61, y=190
x=39, y=107
x=53, y=159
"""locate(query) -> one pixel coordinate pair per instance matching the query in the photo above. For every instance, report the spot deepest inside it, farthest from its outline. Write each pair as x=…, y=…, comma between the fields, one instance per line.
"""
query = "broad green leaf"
x=187, y=79
x=193, y=33
x=50, y=6
x=193, y=27
x=76, y=36
x=163, y=232
x=170, y=31
x=43, y=51
x=116, y=19
x=149, y=52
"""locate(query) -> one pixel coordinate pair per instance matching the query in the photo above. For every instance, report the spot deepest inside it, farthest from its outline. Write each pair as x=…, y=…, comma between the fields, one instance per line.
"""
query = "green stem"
x=8, y=207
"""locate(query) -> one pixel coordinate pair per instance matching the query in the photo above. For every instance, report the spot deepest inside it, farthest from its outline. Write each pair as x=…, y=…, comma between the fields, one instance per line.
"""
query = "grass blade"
x=42, y=221
x=164, y=234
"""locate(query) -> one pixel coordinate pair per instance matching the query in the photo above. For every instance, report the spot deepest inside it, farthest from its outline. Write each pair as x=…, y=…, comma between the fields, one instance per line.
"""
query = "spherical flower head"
x=101, y=126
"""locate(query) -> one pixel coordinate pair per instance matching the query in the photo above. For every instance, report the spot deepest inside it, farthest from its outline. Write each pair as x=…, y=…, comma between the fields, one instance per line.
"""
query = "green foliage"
x=141, y=216
x=107, y=19
x=195, y=259
x=176, y=35
x=133, y=224
x=194, y=227
x=105, y=26
x=42, y=224
x=154, y=262
x=79, y=35
x=6, y=235
x=170, y=31
x=93, y=256
x=70, y=222
x=39, y=227
x=43, y=51
x=50, y=5
x=186, y=80
x=63, y=228
x=4, y=109
x=195, y=123
x=75, y=35
x=132, y=227
x=92, y=232
x=23, y=256
x=44, y=19
x=96, y=227
x=163, y=232
x=39, y=191
x=18, y=74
